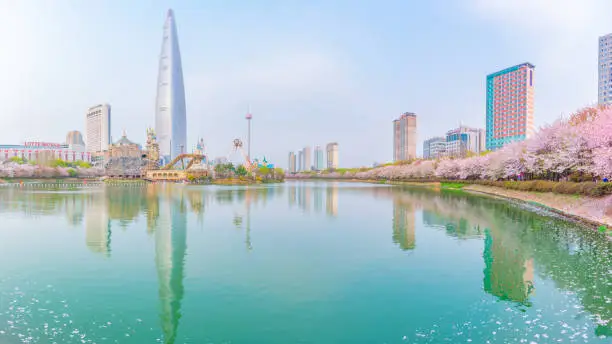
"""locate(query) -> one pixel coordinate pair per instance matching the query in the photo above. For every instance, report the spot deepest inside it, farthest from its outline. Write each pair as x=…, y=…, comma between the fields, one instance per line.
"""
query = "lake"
x=300, y=262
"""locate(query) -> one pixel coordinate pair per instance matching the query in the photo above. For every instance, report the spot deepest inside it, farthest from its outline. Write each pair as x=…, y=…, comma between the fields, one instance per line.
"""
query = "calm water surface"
x=295, y=263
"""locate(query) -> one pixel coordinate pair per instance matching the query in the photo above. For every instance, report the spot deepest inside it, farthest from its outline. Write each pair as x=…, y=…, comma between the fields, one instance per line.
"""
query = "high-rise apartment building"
x=292, y=166
x=307, y=163
x=97, y=128
x=332, y=155
x=464, y=140
x=170, y=111
x=605, y=70
x=404, y=137
x=300, y=161
x=319, y=160
x=434, y=147
x=510, y=94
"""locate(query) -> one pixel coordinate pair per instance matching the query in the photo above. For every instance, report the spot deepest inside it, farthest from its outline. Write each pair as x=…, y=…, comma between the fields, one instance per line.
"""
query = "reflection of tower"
x=250, y=196
x=403, y=225
x=248, y=243
x=318, y=199
x=306, y=195
x=299, y=195
x=74, y=209
x=292, y=195
x=331, y=203
x=152, y=208
x=508, y=274
x=170, y=249
x=97, y=226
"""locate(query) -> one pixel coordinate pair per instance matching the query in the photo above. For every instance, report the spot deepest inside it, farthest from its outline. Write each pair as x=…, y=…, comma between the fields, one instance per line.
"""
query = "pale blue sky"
x=313, y=71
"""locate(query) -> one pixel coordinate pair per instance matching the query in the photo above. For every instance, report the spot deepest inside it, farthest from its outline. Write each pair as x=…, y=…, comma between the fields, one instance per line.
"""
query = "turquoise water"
x=295, y=263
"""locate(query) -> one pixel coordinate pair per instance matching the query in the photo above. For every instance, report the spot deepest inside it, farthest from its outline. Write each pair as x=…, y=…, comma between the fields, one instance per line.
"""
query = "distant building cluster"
x=44, y=152
x=304, y=162
x=458, y=143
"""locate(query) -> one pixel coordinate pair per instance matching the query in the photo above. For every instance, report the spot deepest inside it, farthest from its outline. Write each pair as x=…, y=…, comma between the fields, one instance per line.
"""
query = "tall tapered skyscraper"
x=170, y=112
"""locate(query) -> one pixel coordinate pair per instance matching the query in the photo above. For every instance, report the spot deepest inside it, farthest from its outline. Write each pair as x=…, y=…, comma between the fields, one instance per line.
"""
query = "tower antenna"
x=248, y=118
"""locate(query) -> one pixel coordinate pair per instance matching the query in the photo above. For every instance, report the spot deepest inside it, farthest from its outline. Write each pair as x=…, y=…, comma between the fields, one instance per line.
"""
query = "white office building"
x=464, y=140
x=434, y=147
x=97, y=128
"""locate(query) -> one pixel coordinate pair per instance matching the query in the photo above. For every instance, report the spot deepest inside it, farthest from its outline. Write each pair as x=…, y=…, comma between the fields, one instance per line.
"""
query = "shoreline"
x=579, y=209
x=590, y=211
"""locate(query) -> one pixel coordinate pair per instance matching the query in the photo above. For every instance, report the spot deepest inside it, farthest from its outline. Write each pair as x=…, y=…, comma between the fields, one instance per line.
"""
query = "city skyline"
x=320, y=161
x=552, y=38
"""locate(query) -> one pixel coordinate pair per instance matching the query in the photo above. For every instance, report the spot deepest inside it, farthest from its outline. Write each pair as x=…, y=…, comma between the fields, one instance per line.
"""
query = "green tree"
x=263, y=171
x=83, y=164
x=18, y=160
x=59, y=163
x=241, y=171
x=219, y=168
x=72, y=172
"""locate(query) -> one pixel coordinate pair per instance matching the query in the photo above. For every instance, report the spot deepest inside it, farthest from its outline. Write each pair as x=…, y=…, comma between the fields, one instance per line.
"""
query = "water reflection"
x=170, y=252
x=98, y=227
x=404, y=224
x=520, y=248
x=309, y=195
x=518, y=244
x=331, y=203
x=508, y=274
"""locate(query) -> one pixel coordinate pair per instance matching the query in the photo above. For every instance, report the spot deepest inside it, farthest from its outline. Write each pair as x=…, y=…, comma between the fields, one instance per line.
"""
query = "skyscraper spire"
x=170, y=110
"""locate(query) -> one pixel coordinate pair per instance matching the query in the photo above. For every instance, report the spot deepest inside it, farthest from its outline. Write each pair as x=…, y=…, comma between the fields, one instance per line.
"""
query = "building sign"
x=41, y=144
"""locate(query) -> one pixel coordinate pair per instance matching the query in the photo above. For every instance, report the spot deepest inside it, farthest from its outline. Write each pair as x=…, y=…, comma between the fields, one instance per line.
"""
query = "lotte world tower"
x=170, y=112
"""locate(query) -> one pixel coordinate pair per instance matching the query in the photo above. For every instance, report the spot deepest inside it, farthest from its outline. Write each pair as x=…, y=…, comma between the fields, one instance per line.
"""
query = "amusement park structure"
x=190, y=164
x=189, y=158
x=238, y=147
x=248, y=163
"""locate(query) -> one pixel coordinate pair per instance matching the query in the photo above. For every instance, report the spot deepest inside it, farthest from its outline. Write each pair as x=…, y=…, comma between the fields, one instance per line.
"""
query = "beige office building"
x=307, y=163
x=404, y=137
x=332, y=155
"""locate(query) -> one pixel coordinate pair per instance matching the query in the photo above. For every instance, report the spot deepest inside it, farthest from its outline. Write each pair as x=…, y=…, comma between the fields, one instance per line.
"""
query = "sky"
x=312, y=72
